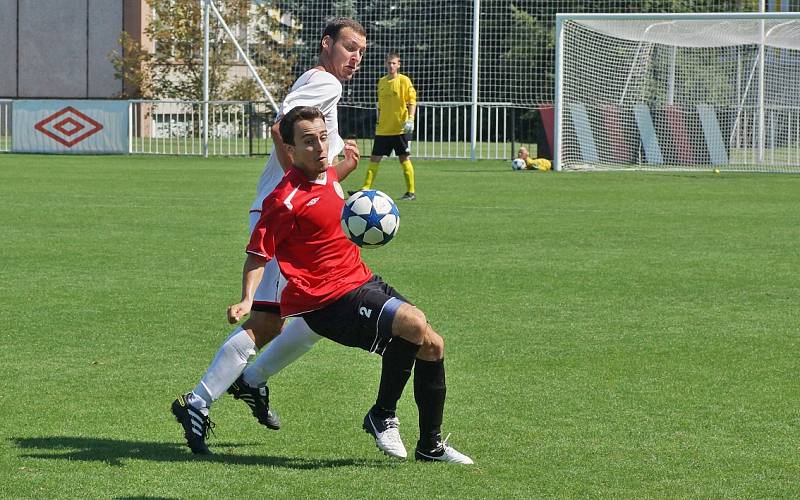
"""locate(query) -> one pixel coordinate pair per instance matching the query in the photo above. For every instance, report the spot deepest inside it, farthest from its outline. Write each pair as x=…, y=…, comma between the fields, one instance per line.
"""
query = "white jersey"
x=314, y=88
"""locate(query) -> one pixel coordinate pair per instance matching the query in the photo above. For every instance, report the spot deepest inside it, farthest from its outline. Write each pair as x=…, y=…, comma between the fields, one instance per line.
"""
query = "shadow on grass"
x=114, y=451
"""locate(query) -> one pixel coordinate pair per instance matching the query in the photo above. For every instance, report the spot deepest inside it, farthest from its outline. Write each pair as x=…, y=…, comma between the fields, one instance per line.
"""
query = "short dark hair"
x=286, y=126
x=336, y=25
x=392, y=55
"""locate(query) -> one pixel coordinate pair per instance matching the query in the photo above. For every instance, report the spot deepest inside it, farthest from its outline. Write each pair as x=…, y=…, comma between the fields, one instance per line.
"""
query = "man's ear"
x=326, y=42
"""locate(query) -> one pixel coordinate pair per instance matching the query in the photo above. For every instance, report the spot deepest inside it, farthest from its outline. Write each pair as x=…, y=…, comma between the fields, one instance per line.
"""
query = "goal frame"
x=562, y=18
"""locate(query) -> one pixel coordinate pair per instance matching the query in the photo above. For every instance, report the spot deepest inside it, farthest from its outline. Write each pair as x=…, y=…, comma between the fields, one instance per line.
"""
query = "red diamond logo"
x=62, y=125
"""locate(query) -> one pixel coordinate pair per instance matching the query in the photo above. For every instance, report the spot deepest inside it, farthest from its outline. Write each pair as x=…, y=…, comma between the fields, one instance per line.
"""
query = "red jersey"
x=300, y=225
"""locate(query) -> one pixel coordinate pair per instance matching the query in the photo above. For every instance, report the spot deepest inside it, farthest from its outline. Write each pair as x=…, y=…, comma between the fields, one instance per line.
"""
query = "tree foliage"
x=275, y=50
x=175, y=69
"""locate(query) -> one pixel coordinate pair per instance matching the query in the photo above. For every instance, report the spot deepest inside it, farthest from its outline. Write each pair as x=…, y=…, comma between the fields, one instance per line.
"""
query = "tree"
x=273, y=34
x=175, y=69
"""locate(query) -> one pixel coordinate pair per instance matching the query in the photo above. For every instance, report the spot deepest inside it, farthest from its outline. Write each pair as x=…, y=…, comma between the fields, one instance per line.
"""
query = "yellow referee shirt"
x=394, y=96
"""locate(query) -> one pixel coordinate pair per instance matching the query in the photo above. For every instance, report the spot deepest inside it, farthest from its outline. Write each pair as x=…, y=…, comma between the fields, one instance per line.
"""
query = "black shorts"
x=361, y=318
x=384, y=144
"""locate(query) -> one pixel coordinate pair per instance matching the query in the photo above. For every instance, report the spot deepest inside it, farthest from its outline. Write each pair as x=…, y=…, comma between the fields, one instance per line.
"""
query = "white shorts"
x=268, y=294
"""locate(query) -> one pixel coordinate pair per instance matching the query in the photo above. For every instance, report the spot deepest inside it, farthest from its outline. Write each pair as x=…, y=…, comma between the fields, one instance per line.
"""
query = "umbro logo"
x=313, y=201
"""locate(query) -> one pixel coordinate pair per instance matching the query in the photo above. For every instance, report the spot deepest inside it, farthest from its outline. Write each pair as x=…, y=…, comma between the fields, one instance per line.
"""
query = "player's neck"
x=309, y=176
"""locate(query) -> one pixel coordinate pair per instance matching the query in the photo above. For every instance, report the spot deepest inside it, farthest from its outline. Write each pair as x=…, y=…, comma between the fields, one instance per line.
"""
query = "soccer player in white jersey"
x=333, y=291
x=341, y=49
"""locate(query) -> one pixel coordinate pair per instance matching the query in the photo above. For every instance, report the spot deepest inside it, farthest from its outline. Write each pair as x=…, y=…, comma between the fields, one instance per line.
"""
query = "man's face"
x=522, y=153
x=393, y=66
x=310, y=149
x=344, y=54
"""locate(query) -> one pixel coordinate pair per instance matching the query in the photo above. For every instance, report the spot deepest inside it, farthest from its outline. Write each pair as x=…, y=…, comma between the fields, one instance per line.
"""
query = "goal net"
x=678, y=91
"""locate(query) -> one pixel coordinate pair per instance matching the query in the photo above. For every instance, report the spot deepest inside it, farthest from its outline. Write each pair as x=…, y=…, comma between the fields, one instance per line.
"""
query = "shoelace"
x=208, y=426
x=392, y=423
x=443, y=443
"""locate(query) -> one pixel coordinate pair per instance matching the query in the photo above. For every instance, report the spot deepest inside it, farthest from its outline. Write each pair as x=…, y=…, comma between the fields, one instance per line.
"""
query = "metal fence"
x=240, y=128
x=5, y=125
x=443, y=130
x=176, y=128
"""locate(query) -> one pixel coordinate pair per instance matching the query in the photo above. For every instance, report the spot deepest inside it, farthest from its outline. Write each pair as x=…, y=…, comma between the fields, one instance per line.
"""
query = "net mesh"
x=681, y=94
x=434, y=39
x=516, y=59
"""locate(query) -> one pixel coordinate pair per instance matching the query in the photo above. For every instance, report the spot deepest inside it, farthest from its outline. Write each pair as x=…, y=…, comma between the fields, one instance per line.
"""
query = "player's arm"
x=411, y=107
x=350, y=162
x=279, y=148
x=264, y=239
x=252, y=273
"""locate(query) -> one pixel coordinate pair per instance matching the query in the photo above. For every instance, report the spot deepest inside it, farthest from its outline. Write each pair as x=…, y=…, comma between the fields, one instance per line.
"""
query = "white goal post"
x=678, y=92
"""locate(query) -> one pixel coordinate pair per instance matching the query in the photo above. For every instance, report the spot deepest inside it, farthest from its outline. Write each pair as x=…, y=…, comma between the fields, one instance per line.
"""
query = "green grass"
x=608, y=335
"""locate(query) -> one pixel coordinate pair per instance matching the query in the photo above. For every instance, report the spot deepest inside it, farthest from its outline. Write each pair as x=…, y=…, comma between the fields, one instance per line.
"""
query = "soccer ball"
x=517, y=164
x=370, y=218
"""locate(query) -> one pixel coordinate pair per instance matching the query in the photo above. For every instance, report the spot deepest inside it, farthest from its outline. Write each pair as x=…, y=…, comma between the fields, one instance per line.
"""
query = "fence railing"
x=443, y=130
x=242, y=128
x=238, y=128
x=176, y=128
x=5, y=125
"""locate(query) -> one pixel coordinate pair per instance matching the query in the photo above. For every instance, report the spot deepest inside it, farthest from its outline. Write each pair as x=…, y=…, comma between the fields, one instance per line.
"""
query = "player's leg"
x=403, y=152
x=191, y=409
x=372, y=171
x=224, y=372
x=429, y=384
x=232, y=356
x=363, y=318
x=295, y=339
x=380, y=148
x=430, y=391
x=264, y=324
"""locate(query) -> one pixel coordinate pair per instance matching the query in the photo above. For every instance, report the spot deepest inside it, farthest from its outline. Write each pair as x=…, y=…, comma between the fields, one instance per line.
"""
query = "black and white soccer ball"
x=517, y=164
x=370, y=218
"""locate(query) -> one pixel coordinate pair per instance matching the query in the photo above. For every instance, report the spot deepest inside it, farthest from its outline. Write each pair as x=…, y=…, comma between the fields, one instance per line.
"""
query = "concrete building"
x=60, y=48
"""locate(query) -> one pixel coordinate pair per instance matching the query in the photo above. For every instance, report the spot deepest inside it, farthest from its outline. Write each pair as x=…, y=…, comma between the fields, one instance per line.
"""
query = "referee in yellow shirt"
x=397, y=102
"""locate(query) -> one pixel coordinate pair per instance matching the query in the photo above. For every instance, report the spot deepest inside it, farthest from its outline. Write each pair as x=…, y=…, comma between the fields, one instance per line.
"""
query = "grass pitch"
x=608, y=334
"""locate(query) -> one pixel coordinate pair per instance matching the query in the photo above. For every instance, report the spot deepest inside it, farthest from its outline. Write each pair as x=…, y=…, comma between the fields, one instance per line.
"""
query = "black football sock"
x=429, y=393
x=398, y=359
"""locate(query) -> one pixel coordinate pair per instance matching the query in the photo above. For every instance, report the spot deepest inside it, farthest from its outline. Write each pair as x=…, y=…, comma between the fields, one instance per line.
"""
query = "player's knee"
x=420, y=325
x=432, y=348
x=264, y=325
x=411, y=324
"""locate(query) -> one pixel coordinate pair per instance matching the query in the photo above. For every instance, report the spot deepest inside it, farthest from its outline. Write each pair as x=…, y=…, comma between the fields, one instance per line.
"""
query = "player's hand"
x=351, y=152
x=237, y=311
x=408, y=128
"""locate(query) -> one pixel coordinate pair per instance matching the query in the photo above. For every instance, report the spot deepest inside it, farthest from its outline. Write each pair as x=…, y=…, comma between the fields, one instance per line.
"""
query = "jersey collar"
x=322, y=180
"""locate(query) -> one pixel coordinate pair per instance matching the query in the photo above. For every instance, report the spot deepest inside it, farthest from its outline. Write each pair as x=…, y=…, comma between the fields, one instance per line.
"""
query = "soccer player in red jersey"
x=341, y=49
x=331, y=289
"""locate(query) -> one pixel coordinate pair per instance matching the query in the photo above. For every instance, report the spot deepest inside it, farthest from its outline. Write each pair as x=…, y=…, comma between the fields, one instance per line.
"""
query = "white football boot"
x=443, y=452
x=387, y=435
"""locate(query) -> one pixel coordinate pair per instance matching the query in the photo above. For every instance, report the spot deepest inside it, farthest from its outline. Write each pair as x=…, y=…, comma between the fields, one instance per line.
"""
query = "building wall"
x=136, y=16
x=105, y=25
x=59, y=48
x=8, y=53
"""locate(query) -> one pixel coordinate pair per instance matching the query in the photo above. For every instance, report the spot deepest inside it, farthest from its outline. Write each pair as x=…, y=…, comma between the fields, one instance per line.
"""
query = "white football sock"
x=295, y=339
x=227, y=366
